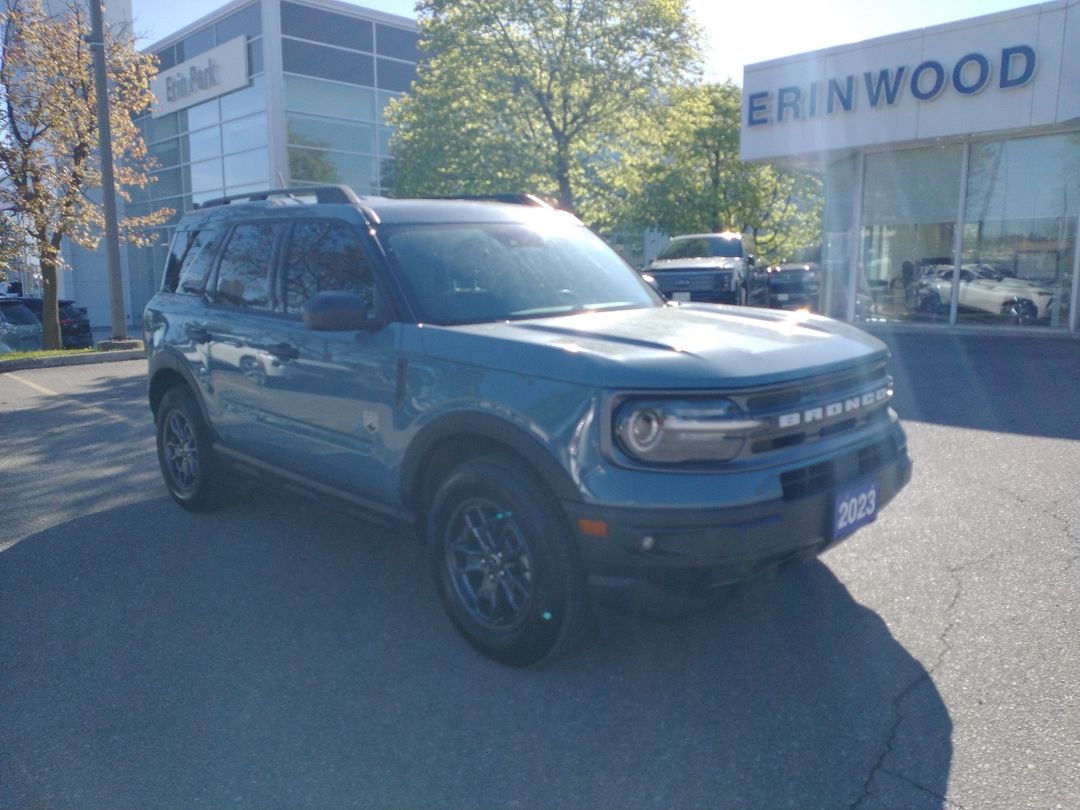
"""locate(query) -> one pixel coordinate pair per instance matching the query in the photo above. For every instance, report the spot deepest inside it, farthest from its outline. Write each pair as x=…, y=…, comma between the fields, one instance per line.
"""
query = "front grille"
x=818, y=408
x=814, y=389
x=702, y=281
x=817, y=478
x=806, y=481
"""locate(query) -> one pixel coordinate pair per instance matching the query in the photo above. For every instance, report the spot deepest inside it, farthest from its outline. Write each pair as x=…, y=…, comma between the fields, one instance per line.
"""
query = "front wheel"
x=1019, y=311
x=185, y=452
x=504, y=563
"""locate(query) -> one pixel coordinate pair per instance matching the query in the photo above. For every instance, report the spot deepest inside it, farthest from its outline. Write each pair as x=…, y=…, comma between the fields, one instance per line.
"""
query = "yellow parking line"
x=41, y=389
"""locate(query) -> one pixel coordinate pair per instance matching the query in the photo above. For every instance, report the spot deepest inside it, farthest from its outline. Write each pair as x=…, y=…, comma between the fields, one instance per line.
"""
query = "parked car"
x=20, y=330
x=494, y=376
x=796, y=283
x=983, y=289
x=708, y=267
x=74, y=323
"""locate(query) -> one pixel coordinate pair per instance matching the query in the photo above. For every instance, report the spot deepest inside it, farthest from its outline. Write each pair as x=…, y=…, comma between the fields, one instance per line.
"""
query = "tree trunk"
x=50, y=317
x=562, y=174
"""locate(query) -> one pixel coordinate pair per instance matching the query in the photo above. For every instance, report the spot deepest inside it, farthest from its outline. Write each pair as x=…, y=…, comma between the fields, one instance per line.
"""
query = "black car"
x=20, y=330
x=796, y=283
x=74, y=323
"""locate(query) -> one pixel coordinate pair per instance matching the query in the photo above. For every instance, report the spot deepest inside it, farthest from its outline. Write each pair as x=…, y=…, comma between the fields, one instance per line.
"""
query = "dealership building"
x=956, y=146
x=257, y=95
x=950, y=155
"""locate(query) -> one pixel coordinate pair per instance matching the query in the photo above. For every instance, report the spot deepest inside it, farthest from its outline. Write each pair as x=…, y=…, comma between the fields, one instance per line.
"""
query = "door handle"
x=283, y=351
x=198, y=334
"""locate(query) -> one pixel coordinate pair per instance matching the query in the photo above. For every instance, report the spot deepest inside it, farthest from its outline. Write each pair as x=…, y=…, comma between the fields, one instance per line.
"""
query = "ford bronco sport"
x=495, y=376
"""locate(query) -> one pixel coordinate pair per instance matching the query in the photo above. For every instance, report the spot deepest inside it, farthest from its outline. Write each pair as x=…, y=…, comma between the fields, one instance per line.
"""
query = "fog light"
x=647, y=543
x=593, y=528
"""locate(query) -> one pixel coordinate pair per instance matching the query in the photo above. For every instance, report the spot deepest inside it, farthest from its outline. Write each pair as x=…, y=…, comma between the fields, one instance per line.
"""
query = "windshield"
x=482, y=272
x=703, y=247
x=18, y=314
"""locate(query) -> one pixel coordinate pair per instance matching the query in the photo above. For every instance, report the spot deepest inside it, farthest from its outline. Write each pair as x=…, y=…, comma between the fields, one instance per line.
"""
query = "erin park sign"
x=211, y=74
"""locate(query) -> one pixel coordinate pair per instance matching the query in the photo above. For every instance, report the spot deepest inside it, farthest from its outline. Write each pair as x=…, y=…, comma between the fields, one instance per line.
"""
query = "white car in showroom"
x=986, y=290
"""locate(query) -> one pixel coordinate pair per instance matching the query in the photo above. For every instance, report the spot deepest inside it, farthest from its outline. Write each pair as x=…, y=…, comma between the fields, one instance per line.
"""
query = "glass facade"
x=340, y=73
x=977, y=233
x=339, y=70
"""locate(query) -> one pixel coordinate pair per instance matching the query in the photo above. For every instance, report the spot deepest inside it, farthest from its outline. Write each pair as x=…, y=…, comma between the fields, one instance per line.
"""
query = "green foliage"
x=702, y=185
x=310, y=166
x=541, y=96
x=48, y=133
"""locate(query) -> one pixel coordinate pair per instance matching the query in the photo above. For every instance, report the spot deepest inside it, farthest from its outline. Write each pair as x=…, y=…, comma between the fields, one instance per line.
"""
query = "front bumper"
x=693, y=549
x=703, y=296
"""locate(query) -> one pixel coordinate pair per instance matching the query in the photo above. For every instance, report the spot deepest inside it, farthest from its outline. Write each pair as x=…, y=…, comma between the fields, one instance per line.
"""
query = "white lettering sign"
x=211, y=74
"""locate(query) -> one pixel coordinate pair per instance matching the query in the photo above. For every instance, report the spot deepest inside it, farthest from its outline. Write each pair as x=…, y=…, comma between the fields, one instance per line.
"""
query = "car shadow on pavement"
x=279, y=654
x=999, y=382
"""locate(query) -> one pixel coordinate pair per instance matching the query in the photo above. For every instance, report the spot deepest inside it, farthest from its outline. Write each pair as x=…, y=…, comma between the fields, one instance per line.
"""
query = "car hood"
x=688, y=346
x=795, y=269
x=702, y=263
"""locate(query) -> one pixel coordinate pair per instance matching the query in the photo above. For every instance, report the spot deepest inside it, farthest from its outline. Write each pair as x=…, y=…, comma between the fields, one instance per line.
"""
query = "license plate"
x=680, y=296
x=782, y=296
x=855, y=506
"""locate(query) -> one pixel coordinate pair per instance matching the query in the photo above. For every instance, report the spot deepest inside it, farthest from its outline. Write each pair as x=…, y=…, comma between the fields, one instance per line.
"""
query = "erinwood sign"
x=973, y=73
x=1014, y=70
x=211, y=74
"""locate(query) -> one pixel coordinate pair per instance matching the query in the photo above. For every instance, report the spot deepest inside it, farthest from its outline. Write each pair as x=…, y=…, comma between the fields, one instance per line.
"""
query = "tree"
x=537, y=95
x=309, y=165
x=700, y=184
x=49, y=165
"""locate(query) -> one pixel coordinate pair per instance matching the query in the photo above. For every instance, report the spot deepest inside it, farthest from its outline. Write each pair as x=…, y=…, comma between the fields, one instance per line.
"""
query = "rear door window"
x=198, y=257
x=243, y=277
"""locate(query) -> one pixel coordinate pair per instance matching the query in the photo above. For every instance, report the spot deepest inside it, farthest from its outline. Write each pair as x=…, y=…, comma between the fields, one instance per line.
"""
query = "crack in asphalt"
x=897, y=704
x=925, y=790
x=1071, y=534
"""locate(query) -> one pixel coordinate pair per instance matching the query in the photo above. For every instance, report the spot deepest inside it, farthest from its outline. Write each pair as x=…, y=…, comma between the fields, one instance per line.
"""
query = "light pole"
x=108, y=187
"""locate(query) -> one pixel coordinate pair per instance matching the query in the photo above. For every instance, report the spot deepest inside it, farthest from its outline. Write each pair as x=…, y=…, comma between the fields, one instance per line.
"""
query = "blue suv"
x=494, y=376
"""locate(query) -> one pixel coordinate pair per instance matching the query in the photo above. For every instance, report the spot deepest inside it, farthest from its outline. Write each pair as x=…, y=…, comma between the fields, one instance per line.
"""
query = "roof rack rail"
x=323, y=194
x=516, y=198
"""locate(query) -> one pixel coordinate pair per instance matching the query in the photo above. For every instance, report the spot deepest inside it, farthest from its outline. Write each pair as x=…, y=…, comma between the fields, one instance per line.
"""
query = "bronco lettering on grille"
x=833, y=409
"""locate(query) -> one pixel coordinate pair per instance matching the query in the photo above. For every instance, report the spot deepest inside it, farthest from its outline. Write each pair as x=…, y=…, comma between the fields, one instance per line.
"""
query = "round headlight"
x=673, y=431
x=642, y=430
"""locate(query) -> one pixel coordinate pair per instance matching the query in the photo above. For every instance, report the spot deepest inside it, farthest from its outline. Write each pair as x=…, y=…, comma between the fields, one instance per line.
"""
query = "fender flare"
x=167, y=363
x=476, y=428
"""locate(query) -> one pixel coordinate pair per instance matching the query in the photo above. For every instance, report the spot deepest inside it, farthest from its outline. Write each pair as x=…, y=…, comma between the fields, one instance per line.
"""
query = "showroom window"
x=1019, y=249
x=909, y=211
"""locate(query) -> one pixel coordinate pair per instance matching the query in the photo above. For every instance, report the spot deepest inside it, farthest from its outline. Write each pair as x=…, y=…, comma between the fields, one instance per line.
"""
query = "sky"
x=738, y=33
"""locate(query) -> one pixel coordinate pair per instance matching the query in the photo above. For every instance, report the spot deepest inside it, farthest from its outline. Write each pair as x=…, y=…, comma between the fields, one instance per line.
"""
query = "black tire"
x=504, y=562
x=1019, y=311
x=186, y=453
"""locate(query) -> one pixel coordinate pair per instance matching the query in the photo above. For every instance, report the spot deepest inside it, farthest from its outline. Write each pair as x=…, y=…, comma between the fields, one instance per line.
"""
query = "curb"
x=72, y=360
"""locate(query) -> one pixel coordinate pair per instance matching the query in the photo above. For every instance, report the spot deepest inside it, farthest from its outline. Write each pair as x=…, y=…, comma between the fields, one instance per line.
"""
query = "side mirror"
x=750, y=260
x=336, y=312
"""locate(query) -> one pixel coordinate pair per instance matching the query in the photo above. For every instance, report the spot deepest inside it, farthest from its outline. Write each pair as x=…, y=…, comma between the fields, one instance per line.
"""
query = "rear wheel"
x=504, y=563
x=185, y=452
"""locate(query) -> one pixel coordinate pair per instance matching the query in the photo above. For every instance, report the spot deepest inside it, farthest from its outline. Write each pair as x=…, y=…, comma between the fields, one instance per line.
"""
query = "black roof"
x=387, y=210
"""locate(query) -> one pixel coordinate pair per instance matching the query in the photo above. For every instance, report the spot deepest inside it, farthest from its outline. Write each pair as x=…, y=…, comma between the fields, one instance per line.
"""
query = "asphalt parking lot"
x=277, y=653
